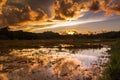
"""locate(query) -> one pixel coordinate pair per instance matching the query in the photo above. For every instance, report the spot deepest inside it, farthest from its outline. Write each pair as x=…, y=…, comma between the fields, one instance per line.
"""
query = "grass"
x=112, y=71
x=82, y=43
x=114, y=67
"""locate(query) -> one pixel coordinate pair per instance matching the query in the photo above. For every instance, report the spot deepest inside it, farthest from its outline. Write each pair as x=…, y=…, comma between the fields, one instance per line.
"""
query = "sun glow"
x=71, y=32
x=69, y=23
x=40, y=26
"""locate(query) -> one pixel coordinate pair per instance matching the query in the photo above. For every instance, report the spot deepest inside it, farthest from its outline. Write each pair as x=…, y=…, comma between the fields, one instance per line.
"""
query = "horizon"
x=66, y=32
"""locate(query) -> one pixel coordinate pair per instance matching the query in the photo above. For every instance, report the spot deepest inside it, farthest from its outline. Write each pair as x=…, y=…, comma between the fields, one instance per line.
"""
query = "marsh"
x=57, y=62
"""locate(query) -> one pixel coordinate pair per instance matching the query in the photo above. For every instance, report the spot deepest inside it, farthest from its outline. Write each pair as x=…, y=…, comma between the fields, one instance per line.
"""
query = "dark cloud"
x=3, y=21
x=45, y=5
x=16, y=14
x=65, y=9
x=17, y=11
x=95, y=5
x=17, y=3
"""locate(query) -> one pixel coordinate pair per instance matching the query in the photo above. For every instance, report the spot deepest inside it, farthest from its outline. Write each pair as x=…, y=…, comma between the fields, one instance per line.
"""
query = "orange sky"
x=59, y=15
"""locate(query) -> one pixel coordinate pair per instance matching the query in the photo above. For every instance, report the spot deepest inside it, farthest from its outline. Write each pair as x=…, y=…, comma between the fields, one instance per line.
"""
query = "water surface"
x=53, y=63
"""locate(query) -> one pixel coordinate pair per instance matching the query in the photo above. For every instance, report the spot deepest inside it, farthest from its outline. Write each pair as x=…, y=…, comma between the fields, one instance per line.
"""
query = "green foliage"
x=113, y=69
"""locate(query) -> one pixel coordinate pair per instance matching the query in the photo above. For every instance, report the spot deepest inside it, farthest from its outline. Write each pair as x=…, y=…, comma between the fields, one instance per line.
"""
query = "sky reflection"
x=53, y=64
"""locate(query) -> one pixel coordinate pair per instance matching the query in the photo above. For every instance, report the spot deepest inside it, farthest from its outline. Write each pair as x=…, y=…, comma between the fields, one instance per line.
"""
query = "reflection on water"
x=53, y=64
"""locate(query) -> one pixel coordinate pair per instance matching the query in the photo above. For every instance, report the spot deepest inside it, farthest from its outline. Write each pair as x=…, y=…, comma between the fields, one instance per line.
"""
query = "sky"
x=60, y=15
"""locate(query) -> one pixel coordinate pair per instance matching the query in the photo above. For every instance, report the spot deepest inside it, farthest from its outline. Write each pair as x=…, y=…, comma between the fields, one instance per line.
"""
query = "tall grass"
x=113, y=67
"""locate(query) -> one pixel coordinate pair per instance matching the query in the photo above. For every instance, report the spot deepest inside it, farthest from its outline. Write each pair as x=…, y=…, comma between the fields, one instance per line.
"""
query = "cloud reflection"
x=53, y=64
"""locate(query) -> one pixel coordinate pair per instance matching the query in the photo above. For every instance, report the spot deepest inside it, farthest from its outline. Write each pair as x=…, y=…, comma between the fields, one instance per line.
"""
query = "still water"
x=53, y=64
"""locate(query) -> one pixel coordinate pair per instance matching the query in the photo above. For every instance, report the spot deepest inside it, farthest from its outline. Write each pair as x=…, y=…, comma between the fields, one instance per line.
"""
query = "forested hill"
x=5, y=34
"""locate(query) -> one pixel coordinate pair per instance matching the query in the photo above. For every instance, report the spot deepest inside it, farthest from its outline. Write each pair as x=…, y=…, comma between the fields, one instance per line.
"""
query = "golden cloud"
x=65, y=9
x=2, y=3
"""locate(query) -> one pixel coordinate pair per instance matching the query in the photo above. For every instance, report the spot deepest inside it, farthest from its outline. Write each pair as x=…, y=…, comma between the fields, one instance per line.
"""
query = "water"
x=53, y=64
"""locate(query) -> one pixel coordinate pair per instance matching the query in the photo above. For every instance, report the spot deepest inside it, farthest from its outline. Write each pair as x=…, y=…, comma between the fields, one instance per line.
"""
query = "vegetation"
x=12, y=44
x=114, y=68
x=112, y=71
x=5, y=34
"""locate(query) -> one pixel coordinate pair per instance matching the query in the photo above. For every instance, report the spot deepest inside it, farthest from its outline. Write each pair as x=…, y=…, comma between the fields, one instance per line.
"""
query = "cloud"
x=95, y=5
x=114, y=5
x=3, y=21
x=65, y=9
x=18, y=11
x=2, y=3
x=44, y=5
x=16, y=15
x=22, y=12
x=108, y=6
